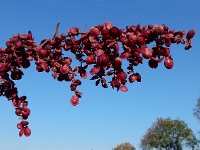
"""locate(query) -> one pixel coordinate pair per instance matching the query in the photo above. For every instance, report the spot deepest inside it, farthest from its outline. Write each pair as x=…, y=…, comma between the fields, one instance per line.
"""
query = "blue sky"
x=104, y=117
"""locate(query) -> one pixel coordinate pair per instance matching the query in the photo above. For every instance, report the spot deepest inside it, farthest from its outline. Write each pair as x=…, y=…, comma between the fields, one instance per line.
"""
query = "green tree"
x=124, y=146
x=196, y=110
x=167, y=134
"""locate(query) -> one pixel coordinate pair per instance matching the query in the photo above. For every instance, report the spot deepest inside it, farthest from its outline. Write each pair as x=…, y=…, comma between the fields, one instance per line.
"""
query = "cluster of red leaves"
x=98, y=48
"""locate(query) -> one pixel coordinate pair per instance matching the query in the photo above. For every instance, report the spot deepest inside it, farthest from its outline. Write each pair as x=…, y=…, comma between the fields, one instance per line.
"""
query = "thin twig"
x=127, y=47
x=56, y=32
x=45, y=42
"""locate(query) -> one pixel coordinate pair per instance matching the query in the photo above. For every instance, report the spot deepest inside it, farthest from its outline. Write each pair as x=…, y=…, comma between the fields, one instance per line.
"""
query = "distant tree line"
x=168, y=134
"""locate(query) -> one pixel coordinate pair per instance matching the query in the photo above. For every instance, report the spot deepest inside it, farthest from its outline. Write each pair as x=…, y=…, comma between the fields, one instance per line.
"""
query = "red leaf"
x=95, y=70
x=97, y=82
x=190, y=34
x=83, y=74
x=94, y=77
x=125, y=55
x=99, y=52
x=27, y=132
x=123, y=88
x=21, y=132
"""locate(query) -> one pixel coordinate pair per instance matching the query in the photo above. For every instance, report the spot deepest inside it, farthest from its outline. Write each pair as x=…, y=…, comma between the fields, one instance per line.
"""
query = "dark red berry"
x=132, y=78
x=103, y=59
x=153, y=63
x=94, y=31
x=16, y=75
x=2, y=66
x=190, y=34
x=24, y=123
x=168, y=62
x=90, y=59
x=18, y=111
x=74, y=100
x=146, y=53
x=24, y=103
x=42, y=53
x=27, y=131
x=73, y=31
x=64, y=69
x=114, y=32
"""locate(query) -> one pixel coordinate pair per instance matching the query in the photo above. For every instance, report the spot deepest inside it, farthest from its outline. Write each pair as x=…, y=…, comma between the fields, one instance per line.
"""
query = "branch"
x=56, y=32
x=45, y=42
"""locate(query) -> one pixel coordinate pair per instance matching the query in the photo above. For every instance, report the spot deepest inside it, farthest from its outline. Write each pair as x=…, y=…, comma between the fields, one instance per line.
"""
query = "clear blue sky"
x=104, y=118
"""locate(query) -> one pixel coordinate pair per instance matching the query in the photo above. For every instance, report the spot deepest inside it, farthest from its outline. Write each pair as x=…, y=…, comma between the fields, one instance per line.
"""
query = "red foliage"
x=99, y=48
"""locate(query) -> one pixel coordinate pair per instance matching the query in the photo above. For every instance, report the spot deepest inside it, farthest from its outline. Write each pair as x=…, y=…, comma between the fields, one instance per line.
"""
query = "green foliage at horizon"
x=168, y=134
